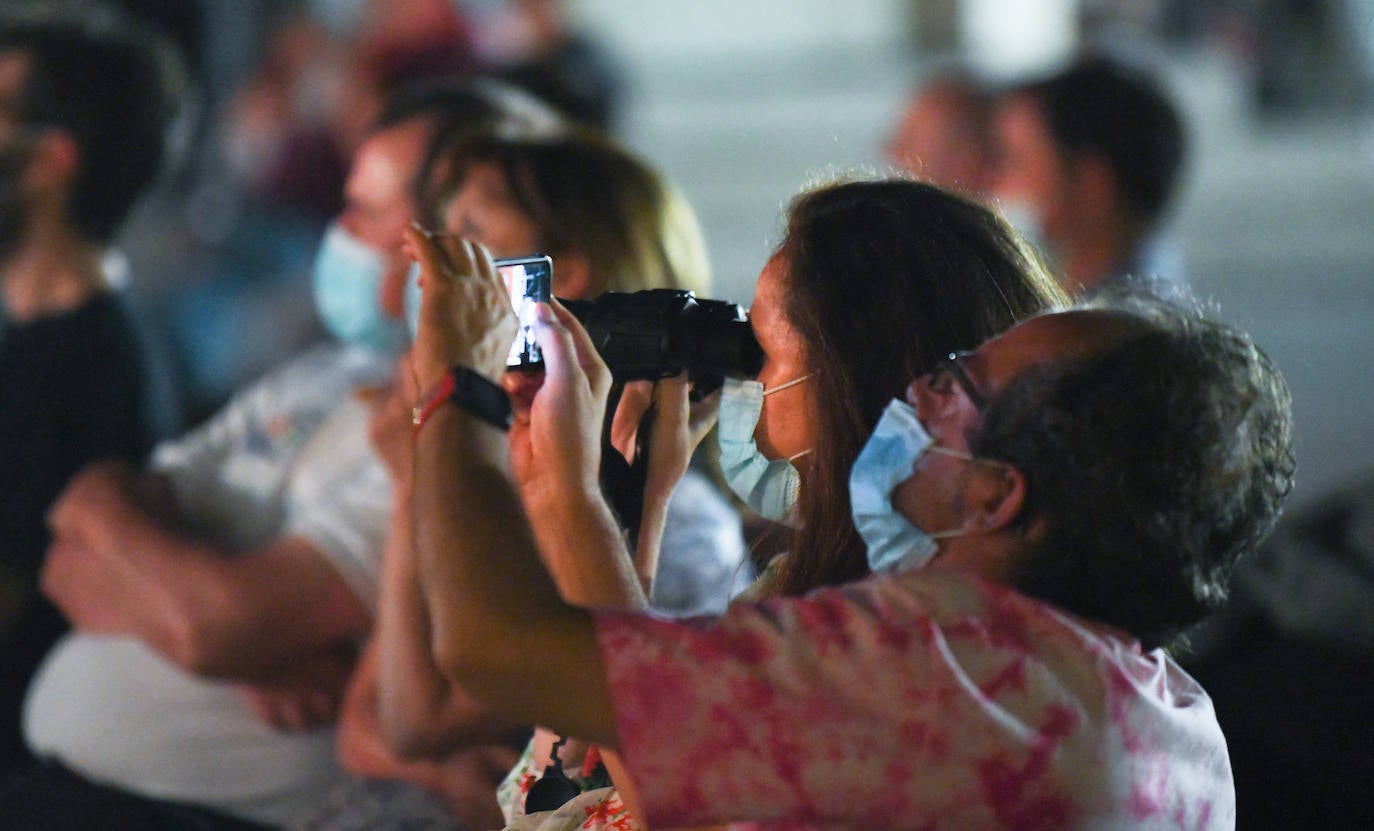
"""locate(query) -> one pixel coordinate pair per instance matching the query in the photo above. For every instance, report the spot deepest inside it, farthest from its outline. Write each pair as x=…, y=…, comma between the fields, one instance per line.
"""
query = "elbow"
x=480, y=667
x=408, y=739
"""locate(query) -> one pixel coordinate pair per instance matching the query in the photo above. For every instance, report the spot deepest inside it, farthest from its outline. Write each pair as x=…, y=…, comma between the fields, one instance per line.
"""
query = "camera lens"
x=657, y=333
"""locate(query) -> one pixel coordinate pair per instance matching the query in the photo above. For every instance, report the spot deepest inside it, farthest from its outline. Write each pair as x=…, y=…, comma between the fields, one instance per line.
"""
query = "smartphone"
x=529, y=280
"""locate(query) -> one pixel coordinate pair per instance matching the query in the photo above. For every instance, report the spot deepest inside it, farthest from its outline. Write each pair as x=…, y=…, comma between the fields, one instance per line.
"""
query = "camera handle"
x=622, y=481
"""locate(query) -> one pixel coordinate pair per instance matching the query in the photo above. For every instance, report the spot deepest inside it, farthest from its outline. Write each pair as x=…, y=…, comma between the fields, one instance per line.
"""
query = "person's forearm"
x=584, y=550
x=244, y=617
x=500, y=628
x=236, y=615
x=652, y=522
x=421, y=713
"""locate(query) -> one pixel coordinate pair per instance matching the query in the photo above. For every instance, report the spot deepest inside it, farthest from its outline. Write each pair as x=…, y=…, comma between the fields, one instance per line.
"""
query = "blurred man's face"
x=16, y=150
x=935, y=141
x=1031, y=173
x=378, y=203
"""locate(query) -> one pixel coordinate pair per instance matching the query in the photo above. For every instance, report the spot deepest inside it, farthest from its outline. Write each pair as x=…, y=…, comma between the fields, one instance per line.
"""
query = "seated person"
x=610, y=222
x=86, y=105
x=1073, y=494
x=945, y=134
x=222, y=593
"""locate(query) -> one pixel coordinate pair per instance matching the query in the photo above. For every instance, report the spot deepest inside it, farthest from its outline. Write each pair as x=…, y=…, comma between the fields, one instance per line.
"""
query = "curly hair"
x=884, y=277
x=1153, y=466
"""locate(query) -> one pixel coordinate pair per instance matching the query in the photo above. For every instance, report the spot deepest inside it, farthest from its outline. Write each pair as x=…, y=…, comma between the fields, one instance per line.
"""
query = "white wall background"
x=743, y=102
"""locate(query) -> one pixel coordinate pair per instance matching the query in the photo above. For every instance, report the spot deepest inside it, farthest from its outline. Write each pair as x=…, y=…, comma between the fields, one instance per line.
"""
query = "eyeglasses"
x=953, y=367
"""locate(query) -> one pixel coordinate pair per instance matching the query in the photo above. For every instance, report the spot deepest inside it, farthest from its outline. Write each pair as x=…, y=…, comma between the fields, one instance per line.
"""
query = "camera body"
x=658, y=333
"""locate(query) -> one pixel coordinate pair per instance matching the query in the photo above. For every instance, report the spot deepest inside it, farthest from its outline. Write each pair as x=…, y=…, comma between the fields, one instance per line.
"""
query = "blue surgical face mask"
x=769, y=486
x=348, y=291
x=886, y=460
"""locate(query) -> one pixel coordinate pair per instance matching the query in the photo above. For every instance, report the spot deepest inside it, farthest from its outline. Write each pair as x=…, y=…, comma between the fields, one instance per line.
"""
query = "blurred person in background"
x=273, y=171
x=271, y=175
x=86, y=103
x=533, y=44
x=219, y=595
x=945, y=135
x=1090, y=160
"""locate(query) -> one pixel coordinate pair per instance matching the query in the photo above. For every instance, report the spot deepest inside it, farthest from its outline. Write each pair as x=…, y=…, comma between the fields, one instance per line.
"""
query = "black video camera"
x=658, y=333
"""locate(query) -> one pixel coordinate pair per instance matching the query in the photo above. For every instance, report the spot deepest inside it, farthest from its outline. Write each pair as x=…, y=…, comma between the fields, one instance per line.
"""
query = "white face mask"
x=886, y=460
x=769, y=486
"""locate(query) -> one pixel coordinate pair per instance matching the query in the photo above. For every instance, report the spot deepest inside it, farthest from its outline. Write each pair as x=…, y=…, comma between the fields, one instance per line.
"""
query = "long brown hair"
x=884, y=278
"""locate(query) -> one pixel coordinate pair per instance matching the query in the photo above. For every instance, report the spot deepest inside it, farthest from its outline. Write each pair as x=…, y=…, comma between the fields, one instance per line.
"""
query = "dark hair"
x=114, y=87
x=459, y=108
x=587, y=194
x=1100, y=105
x=1153, y=465
x=884, y=278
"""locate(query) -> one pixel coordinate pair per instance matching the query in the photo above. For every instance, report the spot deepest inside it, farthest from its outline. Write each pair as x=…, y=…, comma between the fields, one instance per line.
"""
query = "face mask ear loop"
x=951, y=452
x=968, y=457
x=792, y=383
x=944, y=535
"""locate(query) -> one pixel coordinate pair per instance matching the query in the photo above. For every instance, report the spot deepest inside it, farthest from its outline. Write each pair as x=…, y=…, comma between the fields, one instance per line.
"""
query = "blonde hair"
x=587, y=195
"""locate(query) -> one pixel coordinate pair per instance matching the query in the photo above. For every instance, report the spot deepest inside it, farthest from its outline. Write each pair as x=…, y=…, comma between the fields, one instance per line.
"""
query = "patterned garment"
x=924, y=700
x=595, y=809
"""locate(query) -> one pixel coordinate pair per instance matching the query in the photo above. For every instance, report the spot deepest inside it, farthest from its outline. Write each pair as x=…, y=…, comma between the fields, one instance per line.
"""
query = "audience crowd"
x=946, y=538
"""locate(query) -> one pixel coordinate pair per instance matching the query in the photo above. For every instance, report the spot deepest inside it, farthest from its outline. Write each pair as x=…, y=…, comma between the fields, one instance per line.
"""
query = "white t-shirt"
x=288, y=456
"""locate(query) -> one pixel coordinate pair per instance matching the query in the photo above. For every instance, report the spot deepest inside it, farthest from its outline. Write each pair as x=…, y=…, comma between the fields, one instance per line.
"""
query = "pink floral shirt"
x=924, y=700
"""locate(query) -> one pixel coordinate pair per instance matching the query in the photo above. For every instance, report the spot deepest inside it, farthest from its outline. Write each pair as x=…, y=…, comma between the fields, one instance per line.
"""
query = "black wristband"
x=477, y=394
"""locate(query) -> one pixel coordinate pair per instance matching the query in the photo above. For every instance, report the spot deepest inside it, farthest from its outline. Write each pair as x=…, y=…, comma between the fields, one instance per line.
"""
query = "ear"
x=995, y=497
x=572, y=277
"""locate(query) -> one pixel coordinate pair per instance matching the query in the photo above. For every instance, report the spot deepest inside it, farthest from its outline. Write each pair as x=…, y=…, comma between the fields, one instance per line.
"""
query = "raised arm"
x=421, y=713
x=490, y=597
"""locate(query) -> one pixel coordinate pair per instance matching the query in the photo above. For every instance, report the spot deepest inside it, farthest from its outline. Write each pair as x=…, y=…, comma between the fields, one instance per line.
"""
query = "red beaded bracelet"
x=471, y=390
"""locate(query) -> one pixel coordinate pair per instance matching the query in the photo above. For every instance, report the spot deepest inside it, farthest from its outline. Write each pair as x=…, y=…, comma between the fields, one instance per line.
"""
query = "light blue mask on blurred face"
x=886, y=460
x=769, y=486
x=412, y=299
x=348, y=293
